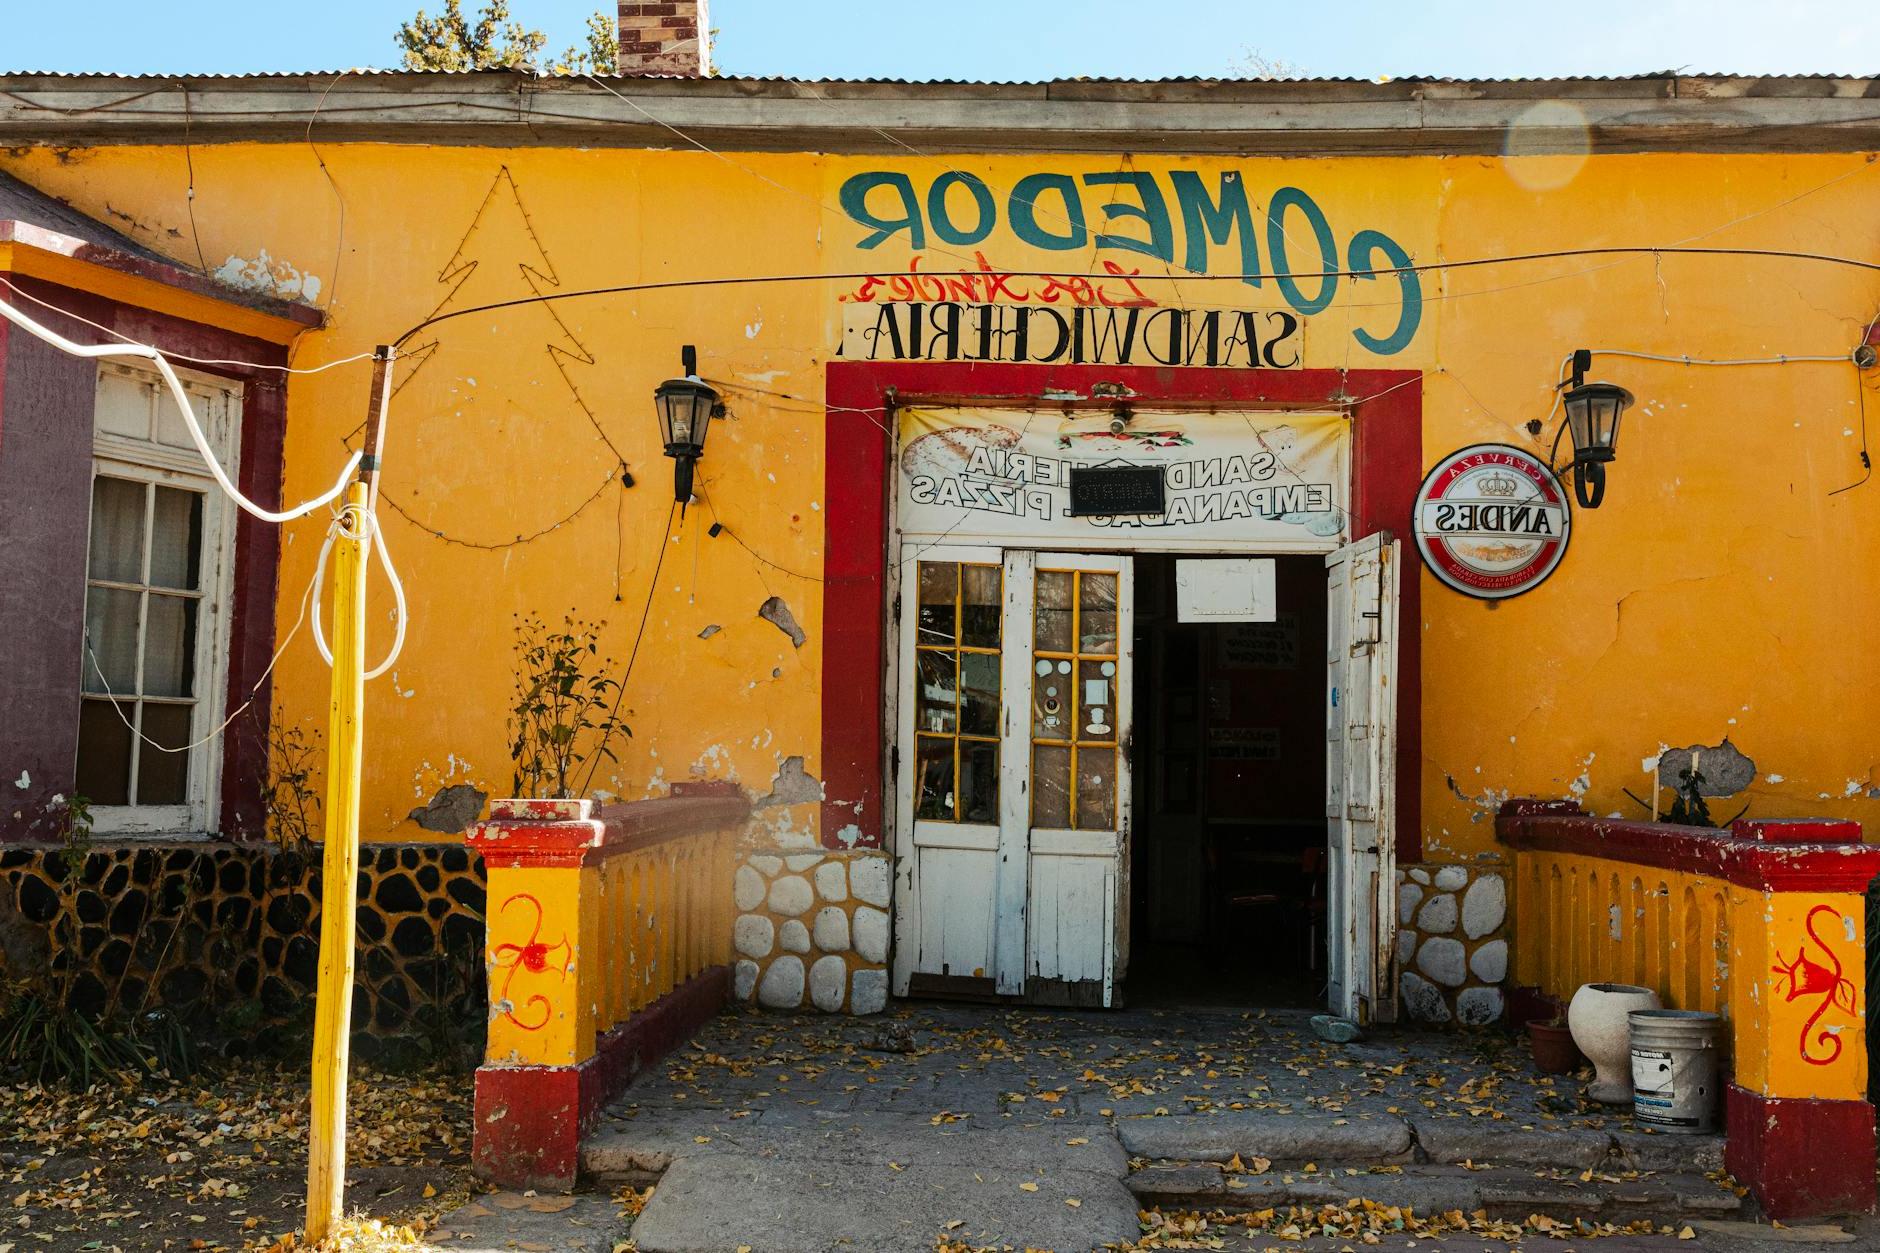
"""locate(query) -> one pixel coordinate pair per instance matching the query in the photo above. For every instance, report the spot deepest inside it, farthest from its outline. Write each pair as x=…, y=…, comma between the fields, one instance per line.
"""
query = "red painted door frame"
x=1386, y=467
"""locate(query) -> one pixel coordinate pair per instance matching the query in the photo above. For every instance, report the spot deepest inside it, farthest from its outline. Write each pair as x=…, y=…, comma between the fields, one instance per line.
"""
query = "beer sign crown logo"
x=1492, y=521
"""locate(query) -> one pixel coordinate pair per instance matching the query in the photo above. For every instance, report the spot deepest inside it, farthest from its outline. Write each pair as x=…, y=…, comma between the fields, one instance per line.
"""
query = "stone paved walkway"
x=1046, y=1129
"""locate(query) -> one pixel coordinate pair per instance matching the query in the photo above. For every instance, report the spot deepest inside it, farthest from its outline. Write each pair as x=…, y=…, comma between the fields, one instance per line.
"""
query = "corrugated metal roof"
x=1098, y=80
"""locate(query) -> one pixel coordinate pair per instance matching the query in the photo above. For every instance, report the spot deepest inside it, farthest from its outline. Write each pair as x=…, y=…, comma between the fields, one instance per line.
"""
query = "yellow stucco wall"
x=1721, y=591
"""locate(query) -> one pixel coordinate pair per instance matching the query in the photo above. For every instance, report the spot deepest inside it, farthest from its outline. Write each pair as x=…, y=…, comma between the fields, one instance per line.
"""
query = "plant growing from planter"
x=1552, y=1044
x=566, y=710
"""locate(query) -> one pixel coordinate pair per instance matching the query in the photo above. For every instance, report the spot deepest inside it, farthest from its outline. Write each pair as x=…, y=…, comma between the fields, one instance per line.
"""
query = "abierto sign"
x=1274, y=481
x=1492, y=521
x=944, y=330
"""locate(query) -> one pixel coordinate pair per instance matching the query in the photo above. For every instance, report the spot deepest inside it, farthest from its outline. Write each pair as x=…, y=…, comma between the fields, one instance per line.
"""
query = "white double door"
x=1013, y=773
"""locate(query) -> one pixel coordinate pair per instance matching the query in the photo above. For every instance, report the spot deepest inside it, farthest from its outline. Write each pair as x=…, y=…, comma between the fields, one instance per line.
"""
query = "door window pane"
x=1096, y=700
x=933, y=778
x=117, y=530
x=1096, y=618
x=1056, y=589
x=1052, y=699
x=979, y=781
x=1050, y=786
x=939, y=595
x=979, y=693
x=980, y=588
x=176, y=540
x=938, y=696
x=1096, y=789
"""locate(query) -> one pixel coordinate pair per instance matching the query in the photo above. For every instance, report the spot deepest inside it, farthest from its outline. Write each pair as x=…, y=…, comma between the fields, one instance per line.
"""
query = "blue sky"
x=1011, y=38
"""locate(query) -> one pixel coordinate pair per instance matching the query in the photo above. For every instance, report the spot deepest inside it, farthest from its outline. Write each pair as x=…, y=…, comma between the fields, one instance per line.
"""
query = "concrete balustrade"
x=1762, y=923
x=608, y=941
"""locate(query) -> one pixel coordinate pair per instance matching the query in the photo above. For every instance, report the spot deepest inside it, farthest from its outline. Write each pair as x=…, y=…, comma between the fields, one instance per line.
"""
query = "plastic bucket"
x=1675, y=1068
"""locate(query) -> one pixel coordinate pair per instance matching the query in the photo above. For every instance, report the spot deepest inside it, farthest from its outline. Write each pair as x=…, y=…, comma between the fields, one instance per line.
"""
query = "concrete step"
x=1296, y=1139
x=1503, y=1192
x=712, y=1203
x=641, y=1150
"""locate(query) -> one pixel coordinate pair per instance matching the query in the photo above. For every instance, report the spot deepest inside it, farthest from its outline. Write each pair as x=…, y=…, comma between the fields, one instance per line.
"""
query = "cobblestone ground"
x=991, y=1060
x=962, y=1128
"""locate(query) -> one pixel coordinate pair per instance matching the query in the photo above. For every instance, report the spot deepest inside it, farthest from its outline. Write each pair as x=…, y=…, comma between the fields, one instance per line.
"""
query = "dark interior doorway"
x=1227, y=855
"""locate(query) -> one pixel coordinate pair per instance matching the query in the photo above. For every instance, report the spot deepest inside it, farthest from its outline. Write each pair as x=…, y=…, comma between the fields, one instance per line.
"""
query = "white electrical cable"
x=189, y=415
x=368, y=530
x=102, y=329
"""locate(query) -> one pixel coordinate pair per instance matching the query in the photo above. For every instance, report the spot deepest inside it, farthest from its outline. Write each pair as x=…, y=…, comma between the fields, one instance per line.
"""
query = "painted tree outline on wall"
x=538, y=275
x=1807, y=977
x=531, y=955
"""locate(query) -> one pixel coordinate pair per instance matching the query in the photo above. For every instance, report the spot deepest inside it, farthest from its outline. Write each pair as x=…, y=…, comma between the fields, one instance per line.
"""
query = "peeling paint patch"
x=710, y=631
x=778, y=614
x=269, y=277
x=1725, y=768
x=792, y=786
x=452, y=810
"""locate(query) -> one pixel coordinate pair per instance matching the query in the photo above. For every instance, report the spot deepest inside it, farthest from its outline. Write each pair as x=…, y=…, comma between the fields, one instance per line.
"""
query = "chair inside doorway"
x=1227, y=866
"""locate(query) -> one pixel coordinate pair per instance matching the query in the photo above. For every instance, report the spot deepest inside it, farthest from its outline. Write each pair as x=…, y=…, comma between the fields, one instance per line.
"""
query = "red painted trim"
x=1386, y=469
x=530, y=1119
x=1802, y=1158
x=257, y=544
x=1770, y=861
x=510, y=842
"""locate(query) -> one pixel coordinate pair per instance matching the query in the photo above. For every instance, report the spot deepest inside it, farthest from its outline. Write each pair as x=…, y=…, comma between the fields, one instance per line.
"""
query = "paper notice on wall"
x=1274, y=480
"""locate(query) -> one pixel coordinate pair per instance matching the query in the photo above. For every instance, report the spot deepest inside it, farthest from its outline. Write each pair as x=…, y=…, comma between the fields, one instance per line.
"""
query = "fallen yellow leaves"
x=1365, y=1222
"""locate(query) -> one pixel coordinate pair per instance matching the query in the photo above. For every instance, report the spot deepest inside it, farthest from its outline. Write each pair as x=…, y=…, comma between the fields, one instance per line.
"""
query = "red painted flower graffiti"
x=531, y=956
x=1807, y=977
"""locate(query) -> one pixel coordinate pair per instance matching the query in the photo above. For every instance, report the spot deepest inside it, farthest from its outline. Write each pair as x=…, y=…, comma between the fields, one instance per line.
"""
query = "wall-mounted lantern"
x=1593, y=413
x=686, y=408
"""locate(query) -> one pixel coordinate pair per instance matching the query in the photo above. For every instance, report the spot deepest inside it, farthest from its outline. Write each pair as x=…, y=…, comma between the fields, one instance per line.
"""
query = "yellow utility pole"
x=332, y=1021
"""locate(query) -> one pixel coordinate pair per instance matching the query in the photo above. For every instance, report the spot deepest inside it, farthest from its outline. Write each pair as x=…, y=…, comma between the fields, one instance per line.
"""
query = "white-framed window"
x=158, y=593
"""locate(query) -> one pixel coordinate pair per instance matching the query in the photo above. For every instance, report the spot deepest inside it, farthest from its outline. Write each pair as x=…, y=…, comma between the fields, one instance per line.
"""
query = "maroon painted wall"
x=46, y=400
x=45, y=499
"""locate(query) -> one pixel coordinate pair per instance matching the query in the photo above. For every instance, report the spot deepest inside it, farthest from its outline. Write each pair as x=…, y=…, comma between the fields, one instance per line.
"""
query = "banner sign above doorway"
x=943, y=330
x=1261, y=481
x=1492, y=521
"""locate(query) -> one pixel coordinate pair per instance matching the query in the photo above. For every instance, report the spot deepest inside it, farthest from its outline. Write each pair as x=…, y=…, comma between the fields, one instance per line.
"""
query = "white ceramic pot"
x=1597, y=1019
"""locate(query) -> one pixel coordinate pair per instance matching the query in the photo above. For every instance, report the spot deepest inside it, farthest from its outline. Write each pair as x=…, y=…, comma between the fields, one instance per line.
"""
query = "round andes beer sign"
x=1492, y=521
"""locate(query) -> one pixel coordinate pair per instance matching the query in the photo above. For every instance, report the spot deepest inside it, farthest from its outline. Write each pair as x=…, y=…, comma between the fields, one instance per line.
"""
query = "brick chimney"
x=665, y=37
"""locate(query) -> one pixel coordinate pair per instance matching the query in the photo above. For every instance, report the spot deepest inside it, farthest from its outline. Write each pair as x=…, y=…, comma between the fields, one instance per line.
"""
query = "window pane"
x=979, y=781
x=123, y=405
x=979, y=693
x=1096, y=789
x=163, y=778
x=933, y=779
x=176, y=540
x=1096, y=624
x=1054, y=611
x=104, y=754
x=170, y=428
x=936, y=696
x=1051, y=699
x=170, y=647
x=1050, y=786
x=111, y=637
x=979, y=606
x=117, y=530
x=1096, y=697
x=939, y=588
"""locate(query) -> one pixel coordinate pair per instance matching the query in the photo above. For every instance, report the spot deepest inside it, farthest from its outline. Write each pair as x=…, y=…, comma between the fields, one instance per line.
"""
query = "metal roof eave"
x=1283, y=117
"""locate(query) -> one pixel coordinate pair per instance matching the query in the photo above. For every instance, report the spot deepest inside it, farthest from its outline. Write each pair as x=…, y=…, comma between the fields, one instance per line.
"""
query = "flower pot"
x=1553, y=1047
x=1597, y=1017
